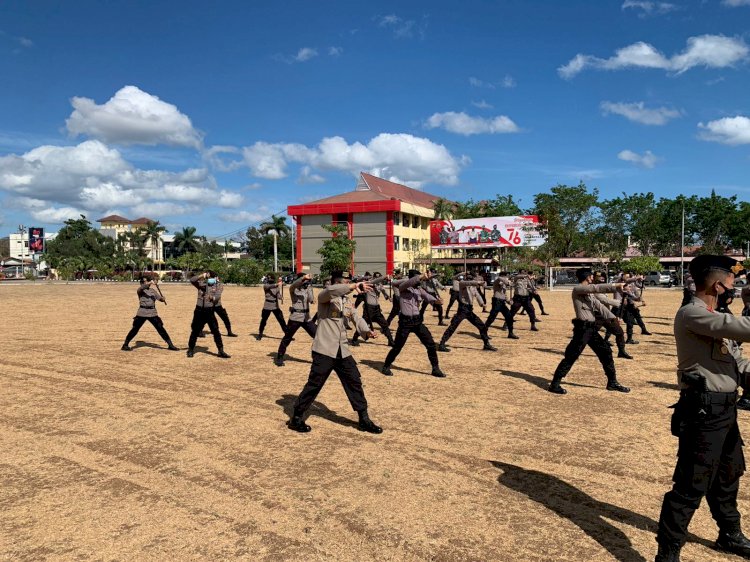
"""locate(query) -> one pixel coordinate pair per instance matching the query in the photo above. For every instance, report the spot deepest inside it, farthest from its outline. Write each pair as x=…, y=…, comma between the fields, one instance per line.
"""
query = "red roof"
x=391, y=190
x=142, y=220
x=114, y=218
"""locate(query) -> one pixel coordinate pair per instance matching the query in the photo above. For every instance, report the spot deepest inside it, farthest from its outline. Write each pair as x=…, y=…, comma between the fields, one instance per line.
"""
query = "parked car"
x=655, y=278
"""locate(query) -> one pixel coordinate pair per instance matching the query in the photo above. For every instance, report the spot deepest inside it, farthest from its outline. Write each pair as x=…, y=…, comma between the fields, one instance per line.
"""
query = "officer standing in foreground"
x=710, y=367
x=204, y=312
x=432, y=285
x=410, y=321
x=273, y=298
x=588, y=311
x=302, y=296
x=467, y=295
x=148, y=293
x=330, y=351
x=500, y=304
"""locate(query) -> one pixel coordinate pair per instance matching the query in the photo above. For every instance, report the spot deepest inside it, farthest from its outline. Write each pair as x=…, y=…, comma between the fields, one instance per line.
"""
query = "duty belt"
x=407, y=317
x=293, y=310
x=147, y=307
x=720, y=398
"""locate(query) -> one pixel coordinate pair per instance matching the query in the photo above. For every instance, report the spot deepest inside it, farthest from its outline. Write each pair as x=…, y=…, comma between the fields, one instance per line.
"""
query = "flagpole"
x=682, y=248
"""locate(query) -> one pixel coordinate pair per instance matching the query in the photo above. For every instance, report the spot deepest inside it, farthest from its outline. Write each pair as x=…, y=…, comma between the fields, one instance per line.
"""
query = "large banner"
x=36, y=240
x=487, y=232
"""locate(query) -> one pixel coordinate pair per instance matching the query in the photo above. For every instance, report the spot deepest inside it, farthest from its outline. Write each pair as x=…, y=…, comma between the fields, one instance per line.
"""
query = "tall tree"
x=185, y=240
x=714, y=217
x=567, y=217
x=152, y=233
x=278, y=227
x=443, y=208
x=337, y=252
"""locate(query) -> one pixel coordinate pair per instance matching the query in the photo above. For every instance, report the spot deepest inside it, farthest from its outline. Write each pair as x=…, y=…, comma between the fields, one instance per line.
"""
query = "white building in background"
x=19, y=244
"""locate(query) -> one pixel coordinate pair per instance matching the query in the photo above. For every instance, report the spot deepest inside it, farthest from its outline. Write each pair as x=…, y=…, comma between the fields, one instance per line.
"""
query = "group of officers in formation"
x=708, y=337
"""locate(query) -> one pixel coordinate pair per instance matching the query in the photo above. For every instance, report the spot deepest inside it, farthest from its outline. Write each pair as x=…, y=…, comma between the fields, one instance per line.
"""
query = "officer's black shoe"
x=201, y=335
x=355, y=343
x=231, y=334
x=743, y=403
x=436, y=372
x=631, y=341
x=504, y=327
x=390, y=343
x=734, y=542
x=534, y=328
x=223, y=354
x=386, y=370
x=646, y=333
x=555, y=388
x=443, y=347
x=279, y=360
x=447, y=317
x=545, y=313
x=366, y=424
x=512, y=336
x=609, y=343
x=488, y=347
x=668, y=552
x=258, y=337
x=616, y=386
x=126, y=347
x=441, y=323
x=190, y=353
x=622, y=354
x=172, y=347
x=298, y=424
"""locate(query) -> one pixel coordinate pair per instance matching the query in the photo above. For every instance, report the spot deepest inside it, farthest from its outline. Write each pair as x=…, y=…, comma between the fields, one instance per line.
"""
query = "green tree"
x=714, y=218
x=277, y=227
x=337, y=252
x=152, y=234
x=642, y=264
x=567, y=216
x=185, y=240
x=443, y=208
x=245, y=272
x=77, y=239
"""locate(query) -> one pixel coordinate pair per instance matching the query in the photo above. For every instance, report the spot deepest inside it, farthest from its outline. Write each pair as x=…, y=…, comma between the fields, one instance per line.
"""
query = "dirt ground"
x=149, y=455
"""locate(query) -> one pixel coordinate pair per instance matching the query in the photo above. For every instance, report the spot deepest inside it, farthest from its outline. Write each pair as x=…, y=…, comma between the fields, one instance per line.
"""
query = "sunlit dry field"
x=149, y=455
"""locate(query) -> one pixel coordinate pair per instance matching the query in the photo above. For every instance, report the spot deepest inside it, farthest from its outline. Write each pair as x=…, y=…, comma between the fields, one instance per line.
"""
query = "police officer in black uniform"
x=433, y=285
x=710, y=367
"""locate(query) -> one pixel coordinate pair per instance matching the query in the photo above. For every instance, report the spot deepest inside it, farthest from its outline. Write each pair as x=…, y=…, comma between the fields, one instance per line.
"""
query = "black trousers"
x=221, y=312
x=520, y=302
x=538, y=299
x=412, y=325
x=395, y=309
x=359, y=299
x=709, y=463
x=139, y=321
x=346, y=369
x=291, y=329
x=612, y=326
x=687, y=296
x=264, y=314
x=635, y=313
x=586, y=333
x=201, y=317
x=625, y=315
x=438, y=307
x=501, y=306
x=454, y=298
x=465, y=312
x=373, y=315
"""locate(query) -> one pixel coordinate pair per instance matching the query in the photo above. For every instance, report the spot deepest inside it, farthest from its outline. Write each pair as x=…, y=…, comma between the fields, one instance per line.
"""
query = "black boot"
x=259, y=336
x=172, y=347
x=202, y=335
x=646, y=333
x=386, y=370
x=743, y=403
x=488, y=346
x=436, y=372
x=622, y=354
x=616, y=386
x=126, y=347
x=504, y=326
x=732, y=540
x=555, y=387
x=443, y=347
x=534, y=328
x=190, y=352
x=668, y=552
x=222, y=354
x=631, y=341
x=279, y=360
x=512, y=336
x=366, y=424
x=297, y=423
x=231, y=334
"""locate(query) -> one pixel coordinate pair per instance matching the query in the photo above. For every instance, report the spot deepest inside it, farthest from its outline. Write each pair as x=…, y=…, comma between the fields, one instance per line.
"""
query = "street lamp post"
x=22, y=231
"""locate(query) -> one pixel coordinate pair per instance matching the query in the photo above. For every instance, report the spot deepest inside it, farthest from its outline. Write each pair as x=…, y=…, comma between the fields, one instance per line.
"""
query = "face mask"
x=211, y=281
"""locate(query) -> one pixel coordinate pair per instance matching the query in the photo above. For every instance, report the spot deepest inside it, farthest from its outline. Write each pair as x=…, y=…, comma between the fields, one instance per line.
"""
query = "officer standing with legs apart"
x=453, y=294
x=330, y=352
x=148, y=293
x=522, y=297
x=710, y=367
x=500, y=304
x=467, y=295
x=635, y=302
x=410, y=321
x=221, y=312
x=586, y=332
x=432, y=285
x=204, y=312
x=273, y=298
x=536, y=296
x=373, y=315
x=395, y=299
x=302, y=297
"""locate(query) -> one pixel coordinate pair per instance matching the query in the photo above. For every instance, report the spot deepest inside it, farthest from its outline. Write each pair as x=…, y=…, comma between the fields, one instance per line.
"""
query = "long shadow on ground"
x=549, y=350
x=588, y=513
x=541, y=382
x=317, y=409
x=378, y=365
x=140, y=343
x=289, y=358
x=664, y=385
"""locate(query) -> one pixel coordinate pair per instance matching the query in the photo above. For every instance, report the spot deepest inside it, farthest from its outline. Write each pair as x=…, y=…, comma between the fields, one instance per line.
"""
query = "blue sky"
x=218, y=114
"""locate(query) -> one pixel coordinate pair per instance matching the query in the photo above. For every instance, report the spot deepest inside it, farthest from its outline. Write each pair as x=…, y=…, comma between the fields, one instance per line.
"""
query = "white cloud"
x=464, y=124
x=307, y=176
x=157, y=209
x=729, y=130
x=482, y=104
x=402, y=28
x=477, y=83
x=508, y=82
x=246, y=217
x=711, y=51
x=25, y=42
x=649, y=8
x=736, y=3
x=392, y=156
x=216, y=157
x=132, y=116
x=335, y=51
x=303, y=55
x=638, y=112
x=645, y=160
x=91, y=177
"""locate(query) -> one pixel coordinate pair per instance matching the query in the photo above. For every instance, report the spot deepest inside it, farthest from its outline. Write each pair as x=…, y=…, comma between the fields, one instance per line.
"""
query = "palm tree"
x=278, y=227
x=152, y=233
x=185, y=241
x=443, y=208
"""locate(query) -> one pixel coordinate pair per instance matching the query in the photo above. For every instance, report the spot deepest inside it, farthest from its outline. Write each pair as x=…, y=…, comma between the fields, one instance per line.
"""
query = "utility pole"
x=682, y=248
x=22, y=231
x=294, y=243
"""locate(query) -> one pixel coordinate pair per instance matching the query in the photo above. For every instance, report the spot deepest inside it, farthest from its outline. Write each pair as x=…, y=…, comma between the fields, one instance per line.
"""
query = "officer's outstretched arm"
x=716, y=325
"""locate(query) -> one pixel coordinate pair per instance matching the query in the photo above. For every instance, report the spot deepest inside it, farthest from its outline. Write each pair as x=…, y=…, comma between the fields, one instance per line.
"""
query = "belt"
x=711, y=397
x=577, y=322
x=148, y=307
x=407, y=317
x=293, y=310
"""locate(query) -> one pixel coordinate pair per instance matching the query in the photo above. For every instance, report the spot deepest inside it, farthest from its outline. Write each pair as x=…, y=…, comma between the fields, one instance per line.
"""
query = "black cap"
x=340, y=275
x=703, y=264
x=433, y=270
x=583, y=273
x=377, y=274
x=414, y=273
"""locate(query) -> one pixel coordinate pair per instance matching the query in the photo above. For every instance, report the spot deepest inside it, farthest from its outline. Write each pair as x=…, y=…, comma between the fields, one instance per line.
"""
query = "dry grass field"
x=149, y=455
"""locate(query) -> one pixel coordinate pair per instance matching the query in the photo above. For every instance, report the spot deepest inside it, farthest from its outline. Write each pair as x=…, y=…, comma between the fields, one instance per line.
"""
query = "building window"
x=406, y=219
x=406, y=244
x=425, y=224
x=415, y=221
x=395, y=243
x=396, y=218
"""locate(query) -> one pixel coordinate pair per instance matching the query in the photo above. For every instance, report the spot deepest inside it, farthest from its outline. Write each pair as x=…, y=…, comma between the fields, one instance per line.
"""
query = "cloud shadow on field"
x=664, y=385
x=378, y=365
x=549, y=350
x=317, y=409
x=536, y=380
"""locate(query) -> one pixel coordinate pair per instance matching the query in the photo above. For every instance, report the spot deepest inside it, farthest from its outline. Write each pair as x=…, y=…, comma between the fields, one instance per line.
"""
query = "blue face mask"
x=211, y=281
